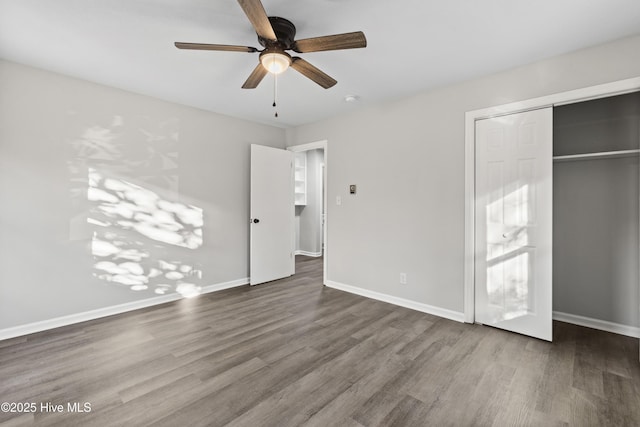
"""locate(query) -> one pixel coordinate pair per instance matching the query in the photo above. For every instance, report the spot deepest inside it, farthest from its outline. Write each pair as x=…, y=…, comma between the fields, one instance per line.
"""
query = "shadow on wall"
x=124, y=190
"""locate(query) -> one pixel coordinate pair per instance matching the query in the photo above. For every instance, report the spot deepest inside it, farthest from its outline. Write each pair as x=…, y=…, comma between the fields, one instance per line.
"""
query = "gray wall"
x=309, y=234
x=407, y=158
x=158, y=181
x=595, y=211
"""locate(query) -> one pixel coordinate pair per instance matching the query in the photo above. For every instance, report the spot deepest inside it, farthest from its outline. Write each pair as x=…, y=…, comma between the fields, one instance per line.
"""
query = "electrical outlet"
x=403, y=278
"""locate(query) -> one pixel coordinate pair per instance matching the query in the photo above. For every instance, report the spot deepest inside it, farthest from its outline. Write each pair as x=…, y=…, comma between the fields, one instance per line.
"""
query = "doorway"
x=309, y=206
x=310, y=183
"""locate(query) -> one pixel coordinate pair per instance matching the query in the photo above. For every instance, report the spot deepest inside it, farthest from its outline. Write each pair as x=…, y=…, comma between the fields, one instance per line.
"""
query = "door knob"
x=256, y=220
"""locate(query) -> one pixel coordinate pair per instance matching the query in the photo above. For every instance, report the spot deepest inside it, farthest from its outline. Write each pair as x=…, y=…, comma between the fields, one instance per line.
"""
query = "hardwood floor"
x=293, y=352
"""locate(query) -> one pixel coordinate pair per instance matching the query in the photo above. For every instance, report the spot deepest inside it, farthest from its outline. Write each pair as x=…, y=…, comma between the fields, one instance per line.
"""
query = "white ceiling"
x=413, y=45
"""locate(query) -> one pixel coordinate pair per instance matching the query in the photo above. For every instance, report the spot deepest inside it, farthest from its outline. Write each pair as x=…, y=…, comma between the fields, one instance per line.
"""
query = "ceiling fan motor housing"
x=285, y=33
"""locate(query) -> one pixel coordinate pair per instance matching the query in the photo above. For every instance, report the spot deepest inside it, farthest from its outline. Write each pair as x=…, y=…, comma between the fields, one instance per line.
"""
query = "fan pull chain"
x=275, y=92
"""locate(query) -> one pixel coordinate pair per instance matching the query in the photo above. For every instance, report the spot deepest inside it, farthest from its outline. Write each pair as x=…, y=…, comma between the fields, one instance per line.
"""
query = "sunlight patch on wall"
x=124, y=214
x=124, y=191
x=131, y=207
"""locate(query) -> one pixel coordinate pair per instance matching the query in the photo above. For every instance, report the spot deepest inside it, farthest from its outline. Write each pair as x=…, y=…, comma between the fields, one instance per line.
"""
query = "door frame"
x=323, y=144
x=569, y=97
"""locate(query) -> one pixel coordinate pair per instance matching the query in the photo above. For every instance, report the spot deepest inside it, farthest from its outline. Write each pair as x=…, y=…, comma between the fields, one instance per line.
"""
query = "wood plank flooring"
x=293, y=352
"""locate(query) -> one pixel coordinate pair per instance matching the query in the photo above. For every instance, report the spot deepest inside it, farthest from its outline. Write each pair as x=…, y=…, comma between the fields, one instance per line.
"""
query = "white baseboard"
x=603, y=325
x=425, y=308
x=305, y=253
x=30, y=328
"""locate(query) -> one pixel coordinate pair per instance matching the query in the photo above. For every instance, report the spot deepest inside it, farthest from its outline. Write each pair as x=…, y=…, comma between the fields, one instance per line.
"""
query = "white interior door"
x=514, y=168
x=272, y=214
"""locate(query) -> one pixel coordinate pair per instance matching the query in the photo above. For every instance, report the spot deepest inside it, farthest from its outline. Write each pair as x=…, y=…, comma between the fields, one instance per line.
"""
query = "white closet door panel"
x=514, y=222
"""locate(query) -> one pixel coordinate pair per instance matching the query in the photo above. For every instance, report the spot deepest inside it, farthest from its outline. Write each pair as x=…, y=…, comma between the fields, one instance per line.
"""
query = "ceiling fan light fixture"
x=275, y=62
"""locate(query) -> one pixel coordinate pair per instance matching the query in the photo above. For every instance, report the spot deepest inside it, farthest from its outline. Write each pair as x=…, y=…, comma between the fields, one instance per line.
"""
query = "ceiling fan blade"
x=255, y=78
x=258, y=18
x=315, y=74
x=222, y=47
x=336, y=42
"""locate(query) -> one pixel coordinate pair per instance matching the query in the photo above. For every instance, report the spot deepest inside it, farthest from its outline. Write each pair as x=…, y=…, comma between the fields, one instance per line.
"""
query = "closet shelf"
x=599, y=155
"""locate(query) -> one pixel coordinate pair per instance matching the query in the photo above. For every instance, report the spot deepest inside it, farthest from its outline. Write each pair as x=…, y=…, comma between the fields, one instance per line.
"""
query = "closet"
x=595, y=210
x=556, y=216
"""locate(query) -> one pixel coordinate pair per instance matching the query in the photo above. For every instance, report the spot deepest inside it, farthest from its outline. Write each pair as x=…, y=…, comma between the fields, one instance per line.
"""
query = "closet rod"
x=599, y=155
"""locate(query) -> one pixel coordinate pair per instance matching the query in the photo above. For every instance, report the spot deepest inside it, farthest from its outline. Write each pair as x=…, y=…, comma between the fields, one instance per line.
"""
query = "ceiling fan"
x=277, y=35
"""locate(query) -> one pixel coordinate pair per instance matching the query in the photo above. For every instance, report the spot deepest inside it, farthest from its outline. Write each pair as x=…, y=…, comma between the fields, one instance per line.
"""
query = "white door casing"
x=513, y=243
x=272, y=214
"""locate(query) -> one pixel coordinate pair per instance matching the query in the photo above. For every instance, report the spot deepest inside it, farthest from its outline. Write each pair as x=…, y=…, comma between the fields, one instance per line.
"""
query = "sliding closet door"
x=514, y=222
